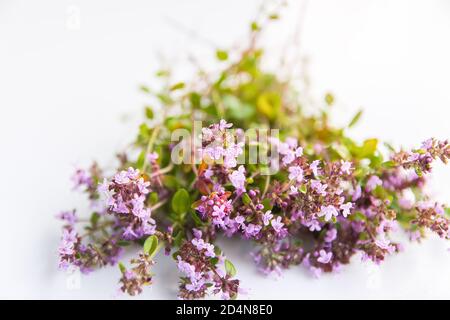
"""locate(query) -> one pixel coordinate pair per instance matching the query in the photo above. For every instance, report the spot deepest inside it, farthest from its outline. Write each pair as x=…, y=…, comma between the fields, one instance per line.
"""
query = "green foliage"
x=181, y=202
x=230, y=268
x=150, y=245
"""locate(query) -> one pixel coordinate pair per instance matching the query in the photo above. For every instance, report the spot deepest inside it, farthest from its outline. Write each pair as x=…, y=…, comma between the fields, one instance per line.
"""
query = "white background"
x=68, y=95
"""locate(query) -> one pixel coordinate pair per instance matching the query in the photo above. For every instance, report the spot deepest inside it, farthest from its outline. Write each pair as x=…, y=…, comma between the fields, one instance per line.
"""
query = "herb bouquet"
x=234, y=153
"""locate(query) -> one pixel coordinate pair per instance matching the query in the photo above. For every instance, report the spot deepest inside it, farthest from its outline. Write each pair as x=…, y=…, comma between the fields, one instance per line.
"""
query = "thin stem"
x=151, y=141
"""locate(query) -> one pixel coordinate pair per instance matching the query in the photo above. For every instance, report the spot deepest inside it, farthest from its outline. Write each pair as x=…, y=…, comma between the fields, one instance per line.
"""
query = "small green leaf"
x=329, y=99
x=177, y=86
x=94, y=218
x=140, y=160
x=254, y=26
x=355, y=119
x=266, y=204
x=144, y=89
x=246, y=199
x=149, y=113
x=274, y=16
x=150, y=245
x=153, y=197
x=368, y=148
x=389, y=164
x=181, y=202
x=123, y=243
x=303, y=189
x=196, y=218
x=122, y=267
x=269, y=104
x=229, y=268
x=222, y=55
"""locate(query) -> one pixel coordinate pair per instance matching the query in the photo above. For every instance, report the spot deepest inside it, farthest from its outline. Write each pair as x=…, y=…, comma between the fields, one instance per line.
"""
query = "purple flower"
x=295, y=173
x=383, y=243
x=237, y=178
x=413, y=156
x=328, y=212
x=346, y=167
x=346, y=208
x=267, y=217
x=153, y=156
x=81, y=178
x=313, y=225
x=331, y=235
x=223, y=125
x=324, y=257
x=68, y=216
x=200, y=244
x=277, y=225
x=319, y=187
x=372, y=183
x=252, y=230
x=427, y=144
x=68, y=241
x=314, y=166
x=293, y=191
x=289, y=157
x=357, y=193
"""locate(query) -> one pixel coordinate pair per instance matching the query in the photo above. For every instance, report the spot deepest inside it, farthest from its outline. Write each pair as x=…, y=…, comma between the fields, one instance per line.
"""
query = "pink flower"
x=237, y=178
x=293, y=191
x=295, y=173
x=346, y=208
x=277, y=225
x=313, y=225
x=200, y=244
x=324, y=257
x=328, y=212
x=319, y=187
x=314, y=166
x=267, y=217
x=346, y=167
x=331, y=235
x=357, y=193
x=372, y=183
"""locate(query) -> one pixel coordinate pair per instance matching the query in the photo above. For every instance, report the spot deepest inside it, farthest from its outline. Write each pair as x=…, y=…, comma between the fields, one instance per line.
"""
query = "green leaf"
x=246, y=199
x=181, y=202
x=229, y=268
x=303, y=189
x=122, y=267
x=269, y=104
x=150, y=245
x=94, y=218
x=123, y=243
x=266, y=204
x=329, y=99
x=368, y=148
x=389, y=164
x=274, y=16
x=149, y=113
x=144, y=89
x=198, y=222
x=177, y=86
x=153, y=197
x=140, y=160
x=254, y=26
x=222, y=55
x=355, y=119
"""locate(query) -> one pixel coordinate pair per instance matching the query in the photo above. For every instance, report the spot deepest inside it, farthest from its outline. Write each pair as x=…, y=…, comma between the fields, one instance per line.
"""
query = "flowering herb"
x=313, y=197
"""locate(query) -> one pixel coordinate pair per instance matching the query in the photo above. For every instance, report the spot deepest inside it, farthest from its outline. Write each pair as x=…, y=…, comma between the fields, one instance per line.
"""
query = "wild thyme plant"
x=211, y=163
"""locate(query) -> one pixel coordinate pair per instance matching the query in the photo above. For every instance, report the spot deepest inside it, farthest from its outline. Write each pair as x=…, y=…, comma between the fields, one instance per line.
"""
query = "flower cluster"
x=319, y=200
x=133, y=281
x=125, y=197
x=203, y=270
